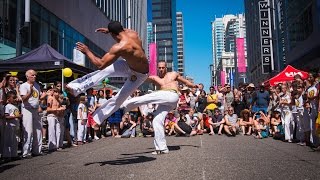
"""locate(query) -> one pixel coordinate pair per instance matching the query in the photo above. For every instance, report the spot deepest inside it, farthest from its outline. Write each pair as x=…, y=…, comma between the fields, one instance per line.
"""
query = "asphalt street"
x=200, y=157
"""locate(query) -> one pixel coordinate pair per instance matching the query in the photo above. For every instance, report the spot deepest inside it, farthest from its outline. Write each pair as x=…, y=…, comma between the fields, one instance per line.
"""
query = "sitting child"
x=169, y=123
x=147, y=129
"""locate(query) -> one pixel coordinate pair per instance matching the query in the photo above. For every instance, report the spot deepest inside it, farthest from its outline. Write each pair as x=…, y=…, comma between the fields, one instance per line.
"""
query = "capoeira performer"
x=135, y=67
x=166, y=99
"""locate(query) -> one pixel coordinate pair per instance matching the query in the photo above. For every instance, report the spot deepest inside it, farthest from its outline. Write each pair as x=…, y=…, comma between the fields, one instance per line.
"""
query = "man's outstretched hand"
x=82, y=47
x=102, y=30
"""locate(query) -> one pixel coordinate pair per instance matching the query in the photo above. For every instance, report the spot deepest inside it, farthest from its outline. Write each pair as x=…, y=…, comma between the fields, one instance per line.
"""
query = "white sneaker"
x=96, y=138
x=159, y=152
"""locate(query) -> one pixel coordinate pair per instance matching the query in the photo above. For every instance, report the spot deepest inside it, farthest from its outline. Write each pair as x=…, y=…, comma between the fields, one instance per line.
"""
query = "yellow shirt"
x=212, y=106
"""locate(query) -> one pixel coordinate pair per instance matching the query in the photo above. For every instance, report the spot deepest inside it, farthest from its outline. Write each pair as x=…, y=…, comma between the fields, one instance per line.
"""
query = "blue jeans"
x=128, y=133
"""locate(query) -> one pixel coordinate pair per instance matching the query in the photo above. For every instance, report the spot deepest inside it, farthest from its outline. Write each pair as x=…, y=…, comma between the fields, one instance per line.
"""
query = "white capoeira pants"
x=32, y=136
x=119, y=68
x=166, y=101
x=82, y=130
x=287, y=121
x=11, y=133
x=55, y=131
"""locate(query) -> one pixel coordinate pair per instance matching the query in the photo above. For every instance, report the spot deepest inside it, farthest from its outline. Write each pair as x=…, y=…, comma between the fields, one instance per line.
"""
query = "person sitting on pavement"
x=169, y=123
x=181, y=127
x=231, y=123
x=246, y=122
x=147, y=128
x=127, y=126
x=217, y=121
x=275, y=121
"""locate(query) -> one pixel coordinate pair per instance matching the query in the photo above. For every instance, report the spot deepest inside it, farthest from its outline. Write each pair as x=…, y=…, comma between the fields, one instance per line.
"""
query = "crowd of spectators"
x=37, y=118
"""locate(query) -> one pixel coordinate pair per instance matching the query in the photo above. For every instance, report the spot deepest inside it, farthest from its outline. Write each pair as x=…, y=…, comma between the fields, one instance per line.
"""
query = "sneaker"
x=96, y=138
x=301, y=144
x=159, y=152
x=27, y=156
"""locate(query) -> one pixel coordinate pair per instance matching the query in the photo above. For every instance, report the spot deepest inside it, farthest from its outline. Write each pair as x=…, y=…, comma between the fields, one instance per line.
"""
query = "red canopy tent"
x=286, y=75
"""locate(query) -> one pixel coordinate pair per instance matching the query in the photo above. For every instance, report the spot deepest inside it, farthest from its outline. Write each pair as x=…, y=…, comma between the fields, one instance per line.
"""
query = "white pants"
x=82, y=131
x=55, y=131
x=11, y=133
x=32, y=134
x=166, y=101
x=119, y=68
x=287, y=121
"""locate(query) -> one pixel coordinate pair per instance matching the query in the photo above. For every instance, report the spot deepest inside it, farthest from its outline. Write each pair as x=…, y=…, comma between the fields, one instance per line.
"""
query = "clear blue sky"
x=197, y=17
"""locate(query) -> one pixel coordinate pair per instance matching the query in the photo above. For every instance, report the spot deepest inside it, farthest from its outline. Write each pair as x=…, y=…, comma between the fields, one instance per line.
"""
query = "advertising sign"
x=266, y=36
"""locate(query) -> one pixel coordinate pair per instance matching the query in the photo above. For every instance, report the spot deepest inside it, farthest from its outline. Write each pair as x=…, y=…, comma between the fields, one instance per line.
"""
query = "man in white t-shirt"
x=31, y=121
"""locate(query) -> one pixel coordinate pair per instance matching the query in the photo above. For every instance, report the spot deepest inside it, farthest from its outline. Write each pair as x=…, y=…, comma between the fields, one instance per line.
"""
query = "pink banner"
x=223, y=78
x=241, y=55
x=152, y=59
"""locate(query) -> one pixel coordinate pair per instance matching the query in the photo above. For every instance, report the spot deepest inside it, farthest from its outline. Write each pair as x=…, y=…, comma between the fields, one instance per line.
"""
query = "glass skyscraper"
x=164, y=20
x=180, y=43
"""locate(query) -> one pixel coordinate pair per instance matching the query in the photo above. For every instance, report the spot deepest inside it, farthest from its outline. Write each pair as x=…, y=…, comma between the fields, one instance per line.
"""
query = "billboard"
x=241, y=60
x=266, y=36
x=153, y=59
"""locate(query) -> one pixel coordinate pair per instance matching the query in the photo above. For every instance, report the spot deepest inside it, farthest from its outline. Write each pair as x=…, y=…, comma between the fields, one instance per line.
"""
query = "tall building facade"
x=225, y=32
x=165, y=31
x=180, y=43
x=52, y=22
x=262, y=41
x=300, y=24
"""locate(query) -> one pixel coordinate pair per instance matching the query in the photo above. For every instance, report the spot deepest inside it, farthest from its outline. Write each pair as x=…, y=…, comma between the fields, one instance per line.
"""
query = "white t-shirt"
x=288, y=98
x=12, y=110
x=312, y=92
x=84, y=112
x=33, y=101
x=299, y=103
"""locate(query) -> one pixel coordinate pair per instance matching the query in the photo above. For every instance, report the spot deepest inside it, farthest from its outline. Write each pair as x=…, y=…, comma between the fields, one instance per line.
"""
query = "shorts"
x=90, y=121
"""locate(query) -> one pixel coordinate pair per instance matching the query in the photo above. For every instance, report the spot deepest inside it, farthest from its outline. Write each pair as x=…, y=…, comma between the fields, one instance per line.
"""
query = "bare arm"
x=103, y=62
x=185, y=81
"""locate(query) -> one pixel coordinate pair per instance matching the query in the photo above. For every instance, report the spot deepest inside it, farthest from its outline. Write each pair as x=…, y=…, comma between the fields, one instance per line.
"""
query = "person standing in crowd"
x=184, y=100
x=30, y=94
x=201, y=102
x=12, y=123
x=82, y=116
x=260, y=99
x=193, y=97
x=297, y=112
x=212, y=100
x=238, y=105
x=286, y=114
x=55, y=114
x=313, y=99
x=248, y=95
x=229, y=97
x=221, y=98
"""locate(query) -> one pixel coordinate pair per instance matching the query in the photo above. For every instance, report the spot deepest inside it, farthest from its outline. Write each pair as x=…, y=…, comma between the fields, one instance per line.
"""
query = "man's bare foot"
x=117, y=136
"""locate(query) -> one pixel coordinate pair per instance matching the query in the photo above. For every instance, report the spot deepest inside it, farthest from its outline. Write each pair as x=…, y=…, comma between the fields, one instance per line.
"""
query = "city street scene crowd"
x=37, y=118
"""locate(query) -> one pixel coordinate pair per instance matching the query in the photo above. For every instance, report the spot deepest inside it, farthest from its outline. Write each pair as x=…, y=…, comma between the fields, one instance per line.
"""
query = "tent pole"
x=62, y=80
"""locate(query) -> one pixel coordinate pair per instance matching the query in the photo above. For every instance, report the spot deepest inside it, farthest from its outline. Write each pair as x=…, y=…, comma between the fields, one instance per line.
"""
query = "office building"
x=180, y=44
x=165, y=29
